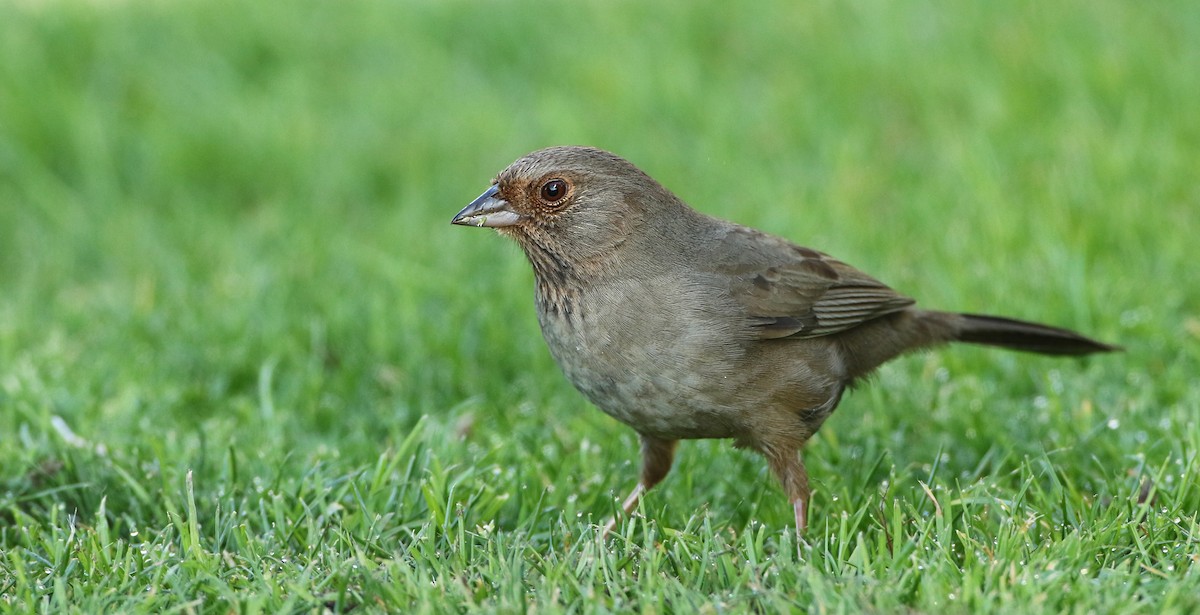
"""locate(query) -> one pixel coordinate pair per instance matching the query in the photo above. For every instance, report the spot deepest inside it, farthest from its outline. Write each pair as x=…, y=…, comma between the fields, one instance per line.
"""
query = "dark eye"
x=554, y=190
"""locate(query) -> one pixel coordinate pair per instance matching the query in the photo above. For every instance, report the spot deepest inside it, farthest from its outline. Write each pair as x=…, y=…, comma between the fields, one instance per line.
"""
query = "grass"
x=247, y=365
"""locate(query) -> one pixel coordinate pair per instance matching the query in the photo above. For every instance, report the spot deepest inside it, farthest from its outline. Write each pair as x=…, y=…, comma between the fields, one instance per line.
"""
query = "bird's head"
x=570, y=206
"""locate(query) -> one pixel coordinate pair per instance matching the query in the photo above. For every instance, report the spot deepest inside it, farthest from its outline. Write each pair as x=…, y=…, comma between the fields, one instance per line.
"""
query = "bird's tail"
x=1027, y=336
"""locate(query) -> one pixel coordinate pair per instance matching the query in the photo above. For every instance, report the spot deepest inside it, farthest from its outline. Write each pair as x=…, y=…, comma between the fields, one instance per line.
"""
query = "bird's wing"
x=790, y=291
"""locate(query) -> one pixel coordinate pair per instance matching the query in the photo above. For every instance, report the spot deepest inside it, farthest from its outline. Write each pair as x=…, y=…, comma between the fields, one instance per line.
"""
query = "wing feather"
x=789, y=291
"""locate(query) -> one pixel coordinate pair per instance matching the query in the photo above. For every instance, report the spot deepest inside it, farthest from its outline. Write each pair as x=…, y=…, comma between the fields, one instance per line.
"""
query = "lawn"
x=247, y=365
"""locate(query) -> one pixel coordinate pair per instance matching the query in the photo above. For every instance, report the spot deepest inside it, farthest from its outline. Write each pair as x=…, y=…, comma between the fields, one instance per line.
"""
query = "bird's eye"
x=554, y=190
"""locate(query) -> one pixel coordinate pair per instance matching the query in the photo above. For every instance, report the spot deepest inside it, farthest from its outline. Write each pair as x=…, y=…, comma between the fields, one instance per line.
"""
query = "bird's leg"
x=657, y=456
x=788, y=467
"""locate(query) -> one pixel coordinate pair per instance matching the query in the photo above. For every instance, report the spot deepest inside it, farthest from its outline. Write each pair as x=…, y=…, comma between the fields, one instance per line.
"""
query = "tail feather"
x=1027, y=336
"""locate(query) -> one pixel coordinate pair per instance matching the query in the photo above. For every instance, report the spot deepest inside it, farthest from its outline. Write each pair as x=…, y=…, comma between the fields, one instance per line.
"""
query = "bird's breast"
x=639, y=353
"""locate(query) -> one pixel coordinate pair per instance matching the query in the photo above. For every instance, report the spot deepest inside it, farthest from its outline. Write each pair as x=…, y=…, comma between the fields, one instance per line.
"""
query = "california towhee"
x=682, y=325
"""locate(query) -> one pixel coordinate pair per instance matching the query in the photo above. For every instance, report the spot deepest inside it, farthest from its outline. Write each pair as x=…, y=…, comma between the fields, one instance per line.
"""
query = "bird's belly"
x=657, y=404
x=667, y=386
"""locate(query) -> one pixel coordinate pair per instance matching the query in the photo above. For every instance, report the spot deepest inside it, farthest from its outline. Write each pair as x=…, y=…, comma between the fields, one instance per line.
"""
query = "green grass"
x=247, y=365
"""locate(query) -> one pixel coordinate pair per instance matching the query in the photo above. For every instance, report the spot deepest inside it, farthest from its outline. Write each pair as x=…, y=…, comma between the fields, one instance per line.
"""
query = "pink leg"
x=789, y=468
x=657, y=456
x=801, y=508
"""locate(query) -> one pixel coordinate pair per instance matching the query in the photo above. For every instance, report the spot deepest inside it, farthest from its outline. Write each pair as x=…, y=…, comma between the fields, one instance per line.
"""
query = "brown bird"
x=682, y=325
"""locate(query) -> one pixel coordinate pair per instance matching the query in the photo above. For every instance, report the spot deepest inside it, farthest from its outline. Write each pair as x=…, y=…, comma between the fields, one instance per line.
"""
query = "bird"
x=684, y=326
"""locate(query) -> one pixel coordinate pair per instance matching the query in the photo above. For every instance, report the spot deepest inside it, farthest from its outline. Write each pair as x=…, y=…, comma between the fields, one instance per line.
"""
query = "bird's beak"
x=487, y=210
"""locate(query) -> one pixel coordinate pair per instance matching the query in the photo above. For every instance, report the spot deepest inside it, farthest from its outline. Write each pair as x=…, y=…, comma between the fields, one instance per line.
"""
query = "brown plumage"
x=682, y=325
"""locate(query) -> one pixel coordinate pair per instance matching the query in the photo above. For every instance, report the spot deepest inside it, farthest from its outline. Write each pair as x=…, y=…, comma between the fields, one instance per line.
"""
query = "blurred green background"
x=225, y=248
